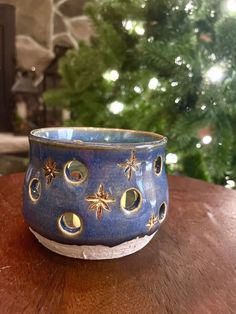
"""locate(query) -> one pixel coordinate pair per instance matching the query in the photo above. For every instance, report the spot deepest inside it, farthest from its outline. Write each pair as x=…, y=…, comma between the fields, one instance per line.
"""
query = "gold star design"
x=100, y=201
x=131, y=165
x=152, y=221
x=50, y=170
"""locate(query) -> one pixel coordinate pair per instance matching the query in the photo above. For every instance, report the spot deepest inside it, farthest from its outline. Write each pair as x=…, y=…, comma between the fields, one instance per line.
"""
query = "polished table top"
x=189, y=267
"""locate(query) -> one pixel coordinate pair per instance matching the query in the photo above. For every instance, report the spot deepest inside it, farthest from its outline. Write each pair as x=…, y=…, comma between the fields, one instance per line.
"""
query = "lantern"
x=30, y=111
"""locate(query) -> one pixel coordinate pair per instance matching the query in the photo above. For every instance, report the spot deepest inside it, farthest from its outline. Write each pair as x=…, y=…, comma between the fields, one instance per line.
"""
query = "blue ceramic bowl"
x=95, y=193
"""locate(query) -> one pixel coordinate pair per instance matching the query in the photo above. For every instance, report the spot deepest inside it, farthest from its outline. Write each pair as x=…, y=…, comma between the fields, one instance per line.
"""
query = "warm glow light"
x=215, y=74
x=112, y=75
x=231, y=5
x=153, y=83
x=171, y=158
x=206, y=139
x=116, y=107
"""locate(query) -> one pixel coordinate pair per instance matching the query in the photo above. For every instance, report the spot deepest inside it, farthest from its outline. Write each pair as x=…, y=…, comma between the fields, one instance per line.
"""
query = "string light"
x=153, y=83
x=215, y=74
x=173, y=84
x=112, y=75
x=231, y=5
x=116, y=107
x=206, y=139
x=139, y=30
x=189, y=7
x=212, y=13
x=212, y=57
x=178, y=60
x=203, y=107
x=137, y=89
x=177, y=100
x=128, y=24
x=134, y=26
x=198, y=145
x=171, y=158
x=176, y=8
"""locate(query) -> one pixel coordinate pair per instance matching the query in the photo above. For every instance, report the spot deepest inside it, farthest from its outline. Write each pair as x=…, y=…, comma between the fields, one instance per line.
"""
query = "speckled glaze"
x=104, y=152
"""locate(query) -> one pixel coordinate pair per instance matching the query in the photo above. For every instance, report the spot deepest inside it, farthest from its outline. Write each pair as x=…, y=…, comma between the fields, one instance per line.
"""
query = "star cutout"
x=50, y=170
x=131, y=165
x=100, y=201
x=152, y=222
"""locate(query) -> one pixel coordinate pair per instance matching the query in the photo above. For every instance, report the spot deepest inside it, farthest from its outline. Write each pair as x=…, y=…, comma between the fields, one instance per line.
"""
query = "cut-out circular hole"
x=158, y=165
x=34, y=189
x=75, y=172
x=70, y=223
x=131, y=200
x=162, y=212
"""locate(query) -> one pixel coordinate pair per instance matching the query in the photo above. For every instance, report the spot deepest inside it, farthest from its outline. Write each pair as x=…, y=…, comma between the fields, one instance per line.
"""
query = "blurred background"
x=157, y=65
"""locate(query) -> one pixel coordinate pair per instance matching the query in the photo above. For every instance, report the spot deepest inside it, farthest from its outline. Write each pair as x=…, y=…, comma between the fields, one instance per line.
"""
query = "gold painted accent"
x=152, y=221
x=131, y=165
x=50, y=170
x=70, y=220
x=159, y=173
x=123, y=200
x=100, y=201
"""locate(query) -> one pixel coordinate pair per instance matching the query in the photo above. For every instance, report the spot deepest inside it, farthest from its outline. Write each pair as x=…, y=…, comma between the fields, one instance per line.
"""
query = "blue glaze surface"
x=60, y=196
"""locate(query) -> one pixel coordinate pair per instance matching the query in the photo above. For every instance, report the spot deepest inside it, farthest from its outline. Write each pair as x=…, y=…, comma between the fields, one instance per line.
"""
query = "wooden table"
x=190, y=267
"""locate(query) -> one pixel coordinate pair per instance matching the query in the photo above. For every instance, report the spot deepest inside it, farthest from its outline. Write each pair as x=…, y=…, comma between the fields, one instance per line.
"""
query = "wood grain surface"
x=189, y=267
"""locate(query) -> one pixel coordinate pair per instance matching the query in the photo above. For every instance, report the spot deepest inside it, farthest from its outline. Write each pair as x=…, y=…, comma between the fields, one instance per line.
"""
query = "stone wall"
x=42, y=24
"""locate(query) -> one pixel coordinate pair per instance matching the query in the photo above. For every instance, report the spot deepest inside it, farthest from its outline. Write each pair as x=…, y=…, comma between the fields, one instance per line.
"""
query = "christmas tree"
x=167, y=66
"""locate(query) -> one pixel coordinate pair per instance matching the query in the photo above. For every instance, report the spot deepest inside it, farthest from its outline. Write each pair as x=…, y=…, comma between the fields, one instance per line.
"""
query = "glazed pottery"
x=95, y=193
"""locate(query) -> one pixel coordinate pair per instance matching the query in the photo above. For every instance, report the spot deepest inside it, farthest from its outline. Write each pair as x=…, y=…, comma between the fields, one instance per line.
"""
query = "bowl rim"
x=158, y=140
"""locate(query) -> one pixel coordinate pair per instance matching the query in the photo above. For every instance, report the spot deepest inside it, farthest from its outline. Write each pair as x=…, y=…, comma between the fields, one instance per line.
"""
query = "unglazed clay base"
x=94, y=252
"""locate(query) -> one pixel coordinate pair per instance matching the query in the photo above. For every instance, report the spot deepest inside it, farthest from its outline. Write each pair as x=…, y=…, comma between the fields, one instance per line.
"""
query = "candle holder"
x=95, y=193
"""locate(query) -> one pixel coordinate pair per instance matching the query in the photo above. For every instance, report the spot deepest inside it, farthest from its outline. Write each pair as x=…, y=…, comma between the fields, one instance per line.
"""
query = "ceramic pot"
x=95, y=193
